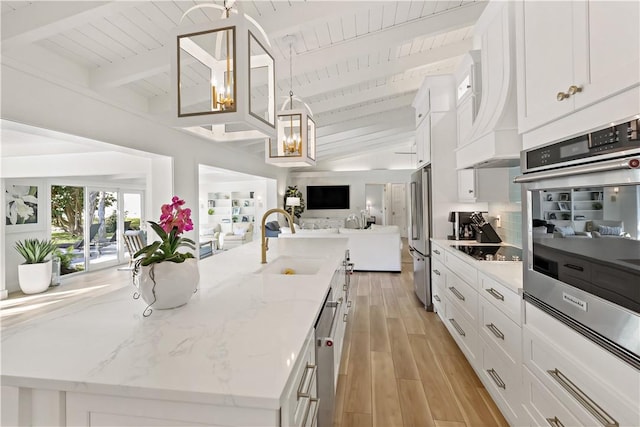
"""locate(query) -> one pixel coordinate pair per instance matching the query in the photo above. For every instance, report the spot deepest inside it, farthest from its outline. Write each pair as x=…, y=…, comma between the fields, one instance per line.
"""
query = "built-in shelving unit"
x=231, y=207
x=573, y=204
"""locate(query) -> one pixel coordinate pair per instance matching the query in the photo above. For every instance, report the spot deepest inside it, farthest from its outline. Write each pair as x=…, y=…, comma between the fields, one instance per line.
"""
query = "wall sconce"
x=224, y=78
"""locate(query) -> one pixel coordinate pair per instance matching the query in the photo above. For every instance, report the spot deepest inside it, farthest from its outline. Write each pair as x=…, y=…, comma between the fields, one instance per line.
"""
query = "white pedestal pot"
x=34, y=278
x=167, y=285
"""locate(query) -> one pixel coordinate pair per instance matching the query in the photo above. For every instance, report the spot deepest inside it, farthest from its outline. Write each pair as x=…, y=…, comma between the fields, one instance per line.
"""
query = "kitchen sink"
x=290, y=265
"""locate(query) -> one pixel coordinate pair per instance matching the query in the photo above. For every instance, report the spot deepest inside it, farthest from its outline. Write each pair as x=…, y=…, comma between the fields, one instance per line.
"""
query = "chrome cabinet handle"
x=495, y=294
x=587, y=403
x=348, y=304
x=457, y=293
x=437, y=252
x=554, y=422
x=470, y=191
x=307, y=393
x=344, y=287
x=495, y=331
x=314, y=417
x=496, y=378
x=344, y=317
x=437, y=272
x=457, y=327
x=436, y=297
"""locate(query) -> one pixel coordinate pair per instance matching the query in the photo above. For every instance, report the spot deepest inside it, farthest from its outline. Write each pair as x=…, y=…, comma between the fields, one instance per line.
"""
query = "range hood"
x=493, y=140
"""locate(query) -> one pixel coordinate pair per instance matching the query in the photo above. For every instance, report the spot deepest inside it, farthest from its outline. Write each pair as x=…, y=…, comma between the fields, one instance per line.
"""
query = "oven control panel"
x=581, y=149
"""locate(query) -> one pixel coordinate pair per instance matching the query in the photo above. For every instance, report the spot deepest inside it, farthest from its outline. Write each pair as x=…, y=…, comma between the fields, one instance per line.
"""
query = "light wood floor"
x=400, y=367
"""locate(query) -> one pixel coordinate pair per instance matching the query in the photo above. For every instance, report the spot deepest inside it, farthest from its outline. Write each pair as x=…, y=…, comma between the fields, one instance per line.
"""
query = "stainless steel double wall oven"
x=581, y=217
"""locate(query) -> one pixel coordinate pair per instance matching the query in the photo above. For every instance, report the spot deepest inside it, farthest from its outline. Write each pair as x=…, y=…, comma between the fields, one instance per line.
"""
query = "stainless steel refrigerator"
x=419, y=234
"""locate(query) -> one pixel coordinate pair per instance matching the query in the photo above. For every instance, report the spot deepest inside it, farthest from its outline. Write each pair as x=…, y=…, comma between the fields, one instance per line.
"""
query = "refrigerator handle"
x=415, y=233
x=414, y=255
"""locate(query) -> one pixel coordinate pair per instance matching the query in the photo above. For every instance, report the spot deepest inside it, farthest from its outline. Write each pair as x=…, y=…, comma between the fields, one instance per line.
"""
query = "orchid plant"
x=174, y=220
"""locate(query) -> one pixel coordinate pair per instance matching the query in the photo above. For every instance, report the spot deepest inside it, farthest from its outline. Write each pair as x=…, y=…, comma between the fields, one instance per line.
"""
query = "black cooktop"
x=491, y=253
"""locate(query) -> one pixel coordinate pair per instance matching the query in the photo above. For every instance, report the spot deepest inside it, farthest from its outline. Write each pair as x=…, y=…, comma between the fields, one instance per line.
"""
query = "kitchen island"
x=225, y=358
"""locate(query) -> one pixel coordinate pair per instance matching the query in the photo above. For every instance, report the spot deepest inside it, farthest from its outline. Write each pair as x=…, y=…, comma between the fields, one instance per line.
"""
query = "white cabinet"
x=467, y=185
x=483, y=185
x=484, y=318
x=423, y=142
x=573, y=54
x=468, y=94
x=593, y=386
x=433, y=98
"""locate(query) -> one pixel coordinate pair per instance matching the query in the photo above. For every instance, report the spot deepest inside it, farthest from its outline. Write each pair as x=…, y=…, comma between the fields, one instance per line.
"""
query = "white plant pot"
x=34, y=278
x=169, y=285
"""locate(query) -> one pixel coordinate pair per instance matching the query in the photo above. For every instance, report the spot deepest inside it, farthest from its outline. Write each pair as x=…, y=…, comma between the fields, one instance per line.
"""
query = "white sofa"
x=590, y=229
x=374, y=249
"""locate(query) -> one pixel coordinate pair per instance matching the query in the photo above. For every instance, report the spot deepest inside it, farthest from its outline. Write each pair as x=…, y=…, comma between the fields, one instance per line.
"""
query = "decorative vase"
x=34, y=278
x=168, y=285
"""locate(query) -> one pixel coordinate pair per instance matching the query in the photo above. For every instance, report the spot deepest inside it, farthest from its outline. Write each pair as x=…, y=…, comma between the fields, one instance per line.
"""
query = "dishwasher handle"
x=328, y=341
x=415, y=254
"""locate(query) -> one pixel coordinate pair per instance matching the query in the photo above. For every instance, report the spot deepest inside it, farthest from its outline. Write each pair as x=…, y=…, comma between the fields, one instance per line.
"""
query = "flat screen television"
x=327, y=197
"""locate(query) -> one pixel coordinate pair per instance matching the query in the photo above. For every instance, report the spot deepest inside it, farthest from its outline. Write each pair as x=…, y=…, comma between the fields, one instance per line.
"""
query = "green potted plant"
x=34, y=275
x=167, y=278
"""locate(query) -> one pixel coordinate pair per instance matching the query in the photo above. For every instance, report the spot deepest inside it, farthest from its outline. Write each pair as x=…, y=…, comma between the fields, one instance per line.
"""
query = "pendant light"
x=224, y=77
x=295, y=145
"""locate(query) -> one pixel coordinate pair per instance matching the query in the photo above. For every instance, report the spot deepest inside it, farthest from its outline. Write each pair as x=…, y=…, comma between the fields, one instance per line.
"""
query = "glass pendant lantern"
x=295, y=145
x=224, y=78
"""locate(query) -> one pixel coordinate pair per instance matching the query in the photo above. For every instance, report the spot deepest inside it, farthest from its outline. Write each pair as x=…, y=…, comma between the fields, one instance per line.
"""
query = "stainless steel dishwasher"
x=325, y=330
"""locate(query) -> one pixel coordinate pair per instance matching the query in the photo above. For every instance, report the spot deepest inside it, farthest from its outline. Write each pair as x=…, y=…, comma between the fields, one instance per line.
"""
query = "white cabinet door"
x=545, y=61
x=607, y=50
x=423, y=142
x=466, y=185
x=594, y=46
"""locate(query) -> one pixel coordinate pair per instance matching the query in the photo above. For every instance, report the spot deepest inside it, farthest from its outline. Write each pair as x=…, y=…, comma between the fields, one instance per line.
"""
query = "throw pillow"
x=565, y=231
x=385, y=228
x=206, y=231
x=239, y=231
x=606, y=230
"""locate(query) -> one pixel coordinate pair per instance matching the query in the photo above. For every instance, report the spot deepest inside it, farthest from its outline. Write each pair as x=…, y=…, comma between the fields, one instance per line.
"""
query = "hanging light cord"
x=290, y=76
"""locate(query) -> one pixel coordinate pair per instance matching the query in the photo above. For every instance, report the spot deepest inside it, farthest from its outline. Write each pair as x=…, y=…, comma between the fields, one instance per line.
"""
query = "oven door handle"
x=610, y=165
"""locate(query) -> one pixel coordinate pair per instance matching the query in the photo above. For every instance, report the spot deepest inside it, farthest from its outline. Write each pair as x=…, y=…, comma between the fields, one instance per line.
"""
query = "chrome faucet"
x=265, y=239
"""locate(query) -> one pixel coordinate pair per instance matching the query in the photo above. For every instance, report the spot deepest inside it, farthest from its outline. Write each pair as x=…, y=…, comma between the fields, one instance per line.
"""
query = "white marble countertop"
x=233, y=344
x=509, y=273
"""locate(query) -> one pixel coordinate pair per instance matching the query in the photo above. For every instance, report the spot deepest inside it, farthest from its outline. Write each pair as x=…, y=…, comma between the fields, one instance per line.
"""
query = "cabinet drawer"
x=437, y=253
x=301, y=387
x=461, y=268
x=438, y=297
x=503, y=381
x=542, y=406
x=500, y=331
x=463, y=295
x=438, y=272
x=507, y=301
x=570, y=365
x=460, y=327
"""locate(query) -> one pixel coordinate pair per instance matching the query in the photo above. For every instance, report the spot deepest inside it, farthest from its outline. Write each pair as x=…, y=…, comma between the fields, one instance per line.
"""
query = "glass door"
x=67, y=227
x=104, y=227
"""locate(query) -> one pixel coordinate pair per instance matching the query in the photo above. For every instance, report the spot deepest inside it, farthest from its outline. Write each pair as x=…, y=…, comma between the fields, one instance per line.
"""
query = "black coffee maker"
x=462, y=228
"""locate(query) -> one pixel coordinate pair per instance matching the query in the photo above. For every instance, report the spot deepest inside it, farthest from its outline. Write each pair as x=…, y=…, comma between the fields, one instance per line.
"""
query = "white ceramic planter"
x=34, y=278
x=169, y=285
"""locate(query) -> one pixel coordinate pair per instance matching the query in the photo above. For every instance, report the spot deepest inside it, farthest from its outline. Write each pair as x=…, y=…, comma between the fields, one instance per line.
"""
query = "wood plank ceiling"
x=357, y=64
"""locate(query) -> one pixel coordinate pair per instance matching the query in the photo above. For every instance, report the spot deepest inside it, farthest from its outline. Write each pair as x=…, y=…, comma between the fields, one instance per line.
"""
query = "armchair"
x=242, y=233
x=211, y=232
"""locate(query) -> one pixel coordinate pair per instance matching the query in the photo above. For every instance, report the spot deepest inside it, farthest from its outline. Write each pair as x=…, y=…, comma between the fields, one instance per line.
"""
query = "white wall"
x=374, y=195
x=356, y=180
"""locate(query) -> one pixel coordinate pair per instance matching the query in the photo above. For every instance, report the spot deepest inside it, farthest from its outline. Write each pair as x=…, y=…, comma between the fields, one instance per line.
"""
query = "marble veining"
x=234, y=343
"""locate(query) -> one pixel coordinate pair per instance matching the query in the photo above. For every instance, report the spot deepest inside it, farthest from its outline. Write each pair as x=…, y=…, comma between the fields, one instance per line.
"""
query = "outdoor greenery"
x=35, y=251
x=67, y=207
x=66, y=258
